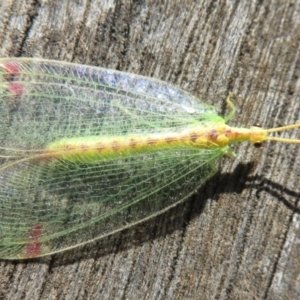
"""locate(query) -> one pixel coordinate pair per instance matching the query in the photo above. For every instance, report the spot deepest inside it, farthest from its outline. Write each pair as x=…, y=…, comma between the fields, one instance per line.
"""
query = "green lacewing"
x=86, y=152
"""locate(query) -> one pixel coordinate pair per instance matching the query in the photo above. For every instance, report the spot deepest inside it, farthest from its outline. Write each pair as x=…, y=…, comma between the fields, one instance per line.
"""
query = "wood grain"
x=238, y=238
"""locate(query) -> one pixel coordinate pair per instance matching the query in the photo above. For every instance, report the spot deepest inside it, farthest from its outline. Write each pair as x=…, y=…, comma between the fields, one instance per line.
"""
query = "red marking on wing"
x=36, y=231
x=16, y=88
x=12, y=67
x=33, y=249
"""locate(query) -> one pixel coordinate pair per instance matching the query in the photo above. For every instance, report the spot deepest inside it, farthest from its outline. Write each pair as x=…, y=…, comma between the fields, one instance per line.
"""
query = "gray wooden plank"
x=238, y=238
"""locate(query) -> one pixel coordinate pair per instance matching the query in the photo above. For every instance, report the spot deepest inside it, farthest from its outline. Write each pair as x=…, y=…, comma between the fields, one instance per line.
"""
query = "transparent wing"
x=48, y=206
x=52, y=206
x=42, y=101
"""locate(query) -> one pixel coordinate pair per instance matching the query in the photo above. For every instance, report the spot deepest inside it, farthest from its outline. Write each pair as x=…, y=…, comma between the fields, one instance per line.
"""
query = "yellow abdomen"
x=95, y=148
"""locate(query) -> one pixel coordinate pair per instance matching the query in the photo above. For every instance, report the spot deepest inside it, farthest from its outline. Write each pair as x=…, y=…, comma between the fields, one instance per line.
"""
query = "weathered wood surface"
x=238, y=238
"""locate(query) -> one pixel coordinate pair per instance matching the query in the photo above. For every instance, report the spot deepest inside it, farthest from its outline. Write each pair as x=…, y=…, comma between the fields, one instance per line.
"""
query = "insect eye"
x=258, y=144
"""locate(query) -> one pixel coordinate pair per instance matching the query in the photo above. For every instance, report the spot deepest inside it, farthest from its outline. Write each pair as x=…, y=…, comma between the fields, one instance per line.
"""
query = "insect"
x=86, y=152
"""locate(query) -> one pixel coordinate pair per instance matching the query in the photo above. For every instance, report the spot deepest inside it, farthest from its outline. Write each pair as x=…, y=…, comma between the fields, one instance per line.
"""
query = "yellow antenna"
x=283, y=128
